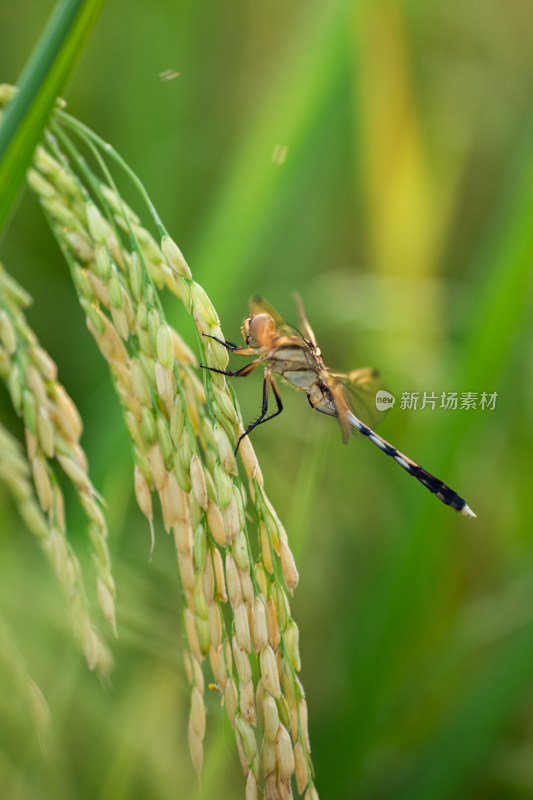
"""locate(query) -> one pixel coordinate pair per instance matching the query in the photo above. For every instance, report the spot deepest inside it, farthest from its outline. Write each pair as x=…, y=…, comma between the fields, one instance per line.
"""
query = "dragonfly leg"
x=239, y=373
x=268, y=381
x=223, y=342
x=233, y=348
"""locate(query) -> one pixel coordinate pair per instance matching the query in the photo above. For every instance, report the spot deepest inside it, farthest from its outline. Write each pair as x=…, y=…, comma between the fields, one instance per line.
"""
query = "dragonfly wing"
x=342, y=408
x=360, y=388
x=306, y=328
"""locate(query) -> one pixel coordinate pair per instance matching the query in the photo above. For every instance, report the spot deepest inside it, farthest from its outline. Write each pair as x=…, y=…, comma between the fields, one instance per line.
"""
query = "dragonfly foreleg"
x=268, y=381
x=233, y=348
x=239, y=373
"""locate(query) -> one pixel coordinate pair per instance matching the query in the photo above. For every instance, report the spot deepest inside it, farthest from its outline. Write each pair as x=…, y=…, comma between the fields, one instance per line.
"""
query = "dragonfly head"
x=258, y=329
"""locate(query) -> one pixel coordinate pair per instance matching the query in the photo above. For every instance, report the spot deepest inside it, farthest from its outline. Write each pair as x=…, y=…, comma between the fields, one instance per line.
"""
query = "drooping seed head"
x=163, y=437
x=115, y=292
x=242, y=661
x=247, y=702
x=164, y=348
x=199, y=547
x=265, y=547
x=288, y=565
x=166, y=384
x=208, y=578
x=269, y=671
x=107, y=603
x=142, y=493
x=218, y=568
x=182, y=352
x=187, y=573
x=230, y=700
x=40, y=185
x=291, y=636
x=223, y=486
x=198, y=481
x=233, y=582
x=284, y=753
x=204, y=312
x=242, y=627
x=259, y=624
x=300, y=767
x=198, y=712
x=174, y=257
x=216, y=523
x=45, y=431
x=183, y=532
x=232, y=525
x=171, y=497
x=270, y=716
x=251, y=787
x=195, y=747
x=192, y=634
x=247, y=738
x=225, y=450
x=215, y=626
x=247, y=586
x=274, y=634
x=239, y=548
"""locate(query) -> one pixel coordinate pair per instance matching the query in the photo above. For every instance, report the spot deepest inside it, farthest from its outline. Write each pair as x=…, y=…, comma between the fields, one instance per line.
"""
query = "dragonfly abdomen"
x=434, y=484
x=320, y=398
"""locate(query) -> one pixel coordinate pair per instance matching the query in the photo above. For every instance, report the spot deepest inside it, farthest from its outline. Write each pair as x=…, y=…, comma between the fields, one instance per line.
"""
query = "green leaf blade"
x=42, y=80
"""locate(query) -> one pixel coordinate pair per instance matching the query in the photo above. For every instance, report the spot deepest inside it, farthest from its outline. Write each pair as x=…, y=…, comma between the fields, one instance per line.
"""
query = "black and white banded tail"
x=436, y=486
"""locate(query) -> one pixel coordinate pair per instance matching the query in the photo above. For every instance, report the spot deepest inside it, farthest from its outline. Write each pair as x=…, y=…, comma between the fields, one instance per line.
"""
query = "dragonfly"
x=294, y=355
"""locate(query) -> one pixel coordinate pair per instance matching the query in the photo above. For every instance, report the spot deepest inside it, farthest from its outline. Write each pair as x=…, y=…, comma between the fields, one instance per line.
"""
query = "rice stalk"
x=235, y=585
x=44, y=517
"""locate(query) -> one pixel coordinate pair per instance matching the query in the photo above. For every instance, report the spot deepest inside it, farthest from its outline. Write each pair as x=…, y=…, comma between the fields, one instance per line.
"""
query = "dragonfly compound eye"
x=258, y=329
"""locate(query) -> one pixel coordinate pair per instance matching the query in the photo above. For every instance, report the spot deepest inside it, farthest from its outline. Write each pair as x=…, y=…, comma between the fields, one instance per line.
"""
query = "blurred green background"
x=403, y=214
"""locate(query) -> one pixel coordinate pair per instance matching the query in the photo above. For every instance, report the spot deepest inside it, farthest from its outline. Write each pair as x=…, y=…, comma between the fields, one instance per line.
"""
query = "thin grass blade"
x=40, y=83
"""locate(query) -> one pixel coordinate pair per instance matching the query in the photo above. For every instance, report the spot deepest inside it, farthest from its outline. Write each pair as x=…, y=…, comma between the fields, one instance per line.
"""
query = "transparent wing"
x=360, y=387
x=258, y=305
x=306, y=328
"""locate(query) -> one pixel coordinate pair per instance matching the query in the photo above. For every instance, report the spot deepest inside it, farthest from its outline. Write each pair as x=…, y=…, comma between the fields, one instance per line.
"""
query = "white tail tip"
x=466, y=511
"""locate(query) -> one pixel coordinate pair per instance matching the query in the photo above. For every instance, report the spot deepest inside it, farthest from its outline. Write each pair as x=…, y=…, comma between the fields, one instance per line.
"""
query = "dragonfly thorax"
x=258, y=330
